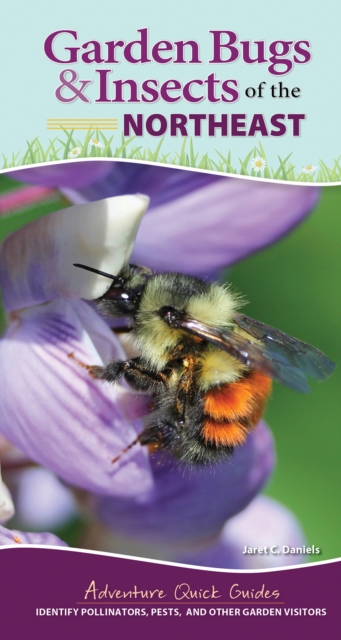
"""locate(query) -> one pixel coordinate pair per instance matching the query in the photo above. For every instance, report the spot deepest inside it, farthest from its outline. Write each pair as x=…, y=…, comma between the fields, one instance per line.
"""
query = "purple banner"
x=57, y=593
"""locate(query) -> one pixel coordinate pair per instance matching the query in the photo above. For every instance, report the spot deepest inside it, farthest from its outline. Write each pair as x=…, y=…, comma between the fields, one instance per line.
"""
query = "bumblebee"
x=208, y=368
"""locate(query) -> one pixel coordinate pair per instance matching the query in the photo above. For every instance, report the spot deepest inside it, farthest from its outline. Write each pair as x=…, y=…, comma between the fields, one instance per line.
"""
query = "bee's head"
x=123, y=298
x=124, y=295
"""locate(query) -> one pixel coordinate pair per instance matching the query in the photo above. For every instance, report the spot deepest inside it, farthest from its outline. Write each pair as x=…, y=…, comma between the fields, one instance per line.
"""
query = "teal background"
x=292, y=285
x=29, y=79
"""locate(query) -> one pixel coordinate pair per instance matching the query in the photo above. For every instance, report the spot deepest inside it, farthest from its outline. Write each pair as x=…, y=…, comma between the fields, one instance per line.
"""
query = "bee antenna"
x=100, y=273
x=132, y=444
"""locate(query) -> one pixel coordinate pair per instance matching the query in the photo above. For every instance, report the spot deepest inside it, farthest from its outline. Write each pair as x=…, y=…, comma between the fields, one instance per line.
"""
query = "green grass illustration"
x=96, y=145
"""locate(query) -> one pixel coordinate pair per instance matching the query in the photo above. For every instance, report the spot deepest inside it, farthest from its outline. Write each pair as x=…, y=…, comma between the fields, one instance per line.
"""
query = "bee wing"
x=256, y=356
x=306, y=358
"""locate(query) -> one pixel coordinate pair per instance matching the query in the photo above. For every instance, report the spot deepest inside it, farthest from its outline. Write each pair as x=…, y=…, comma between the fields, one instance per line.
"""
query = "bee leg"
x=111, y=373
x=142, y=378
x=160, y=435
x=135, y=373
x=132, y=444
x=88, y=367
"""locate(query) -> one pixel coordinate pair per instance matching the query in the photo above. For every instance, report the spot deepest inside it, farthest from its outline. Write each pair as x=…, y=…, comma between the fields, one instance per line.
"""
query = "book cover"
x=169, y=432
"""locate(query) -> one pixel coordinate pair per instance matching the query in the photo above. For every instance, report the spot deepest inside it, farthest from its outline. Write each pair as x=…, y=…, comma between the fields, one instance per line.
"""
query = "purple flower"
x=192, y=505
x=196, y=223
x=262, y=536
x=53, y=410
x=59, y=416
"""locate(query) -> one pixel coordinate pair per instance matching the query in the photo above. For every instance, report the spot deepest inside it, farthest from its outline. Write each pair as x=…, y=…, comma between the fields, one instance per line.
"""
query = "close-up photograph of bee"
x=169, y=363
x=208, y=367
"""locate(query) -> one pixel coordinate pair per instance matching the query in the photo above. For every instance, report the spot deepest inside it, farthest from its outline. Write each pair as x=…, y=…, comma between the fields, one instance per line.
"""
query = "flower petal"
x=37, y=260
x=192, y=505
x=218, y=225
x=13, y=537
x=56, y=413
x=263, y=524
x=199, y=223
x=64, y=174
x=163, y=184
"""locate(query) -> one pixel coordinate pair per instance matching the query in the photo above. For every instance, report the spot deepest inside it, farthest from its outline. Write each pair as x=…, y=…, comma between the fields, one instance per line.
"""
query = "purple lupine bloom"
x=265, y=525
x=53, y=410
x=192, y=506
x=196, y=223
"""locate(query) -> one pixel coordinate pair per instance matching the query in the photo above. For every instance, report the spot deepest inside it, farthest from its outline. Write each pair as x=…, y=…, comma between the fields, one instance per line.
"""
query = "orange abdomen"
x=232, y=409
